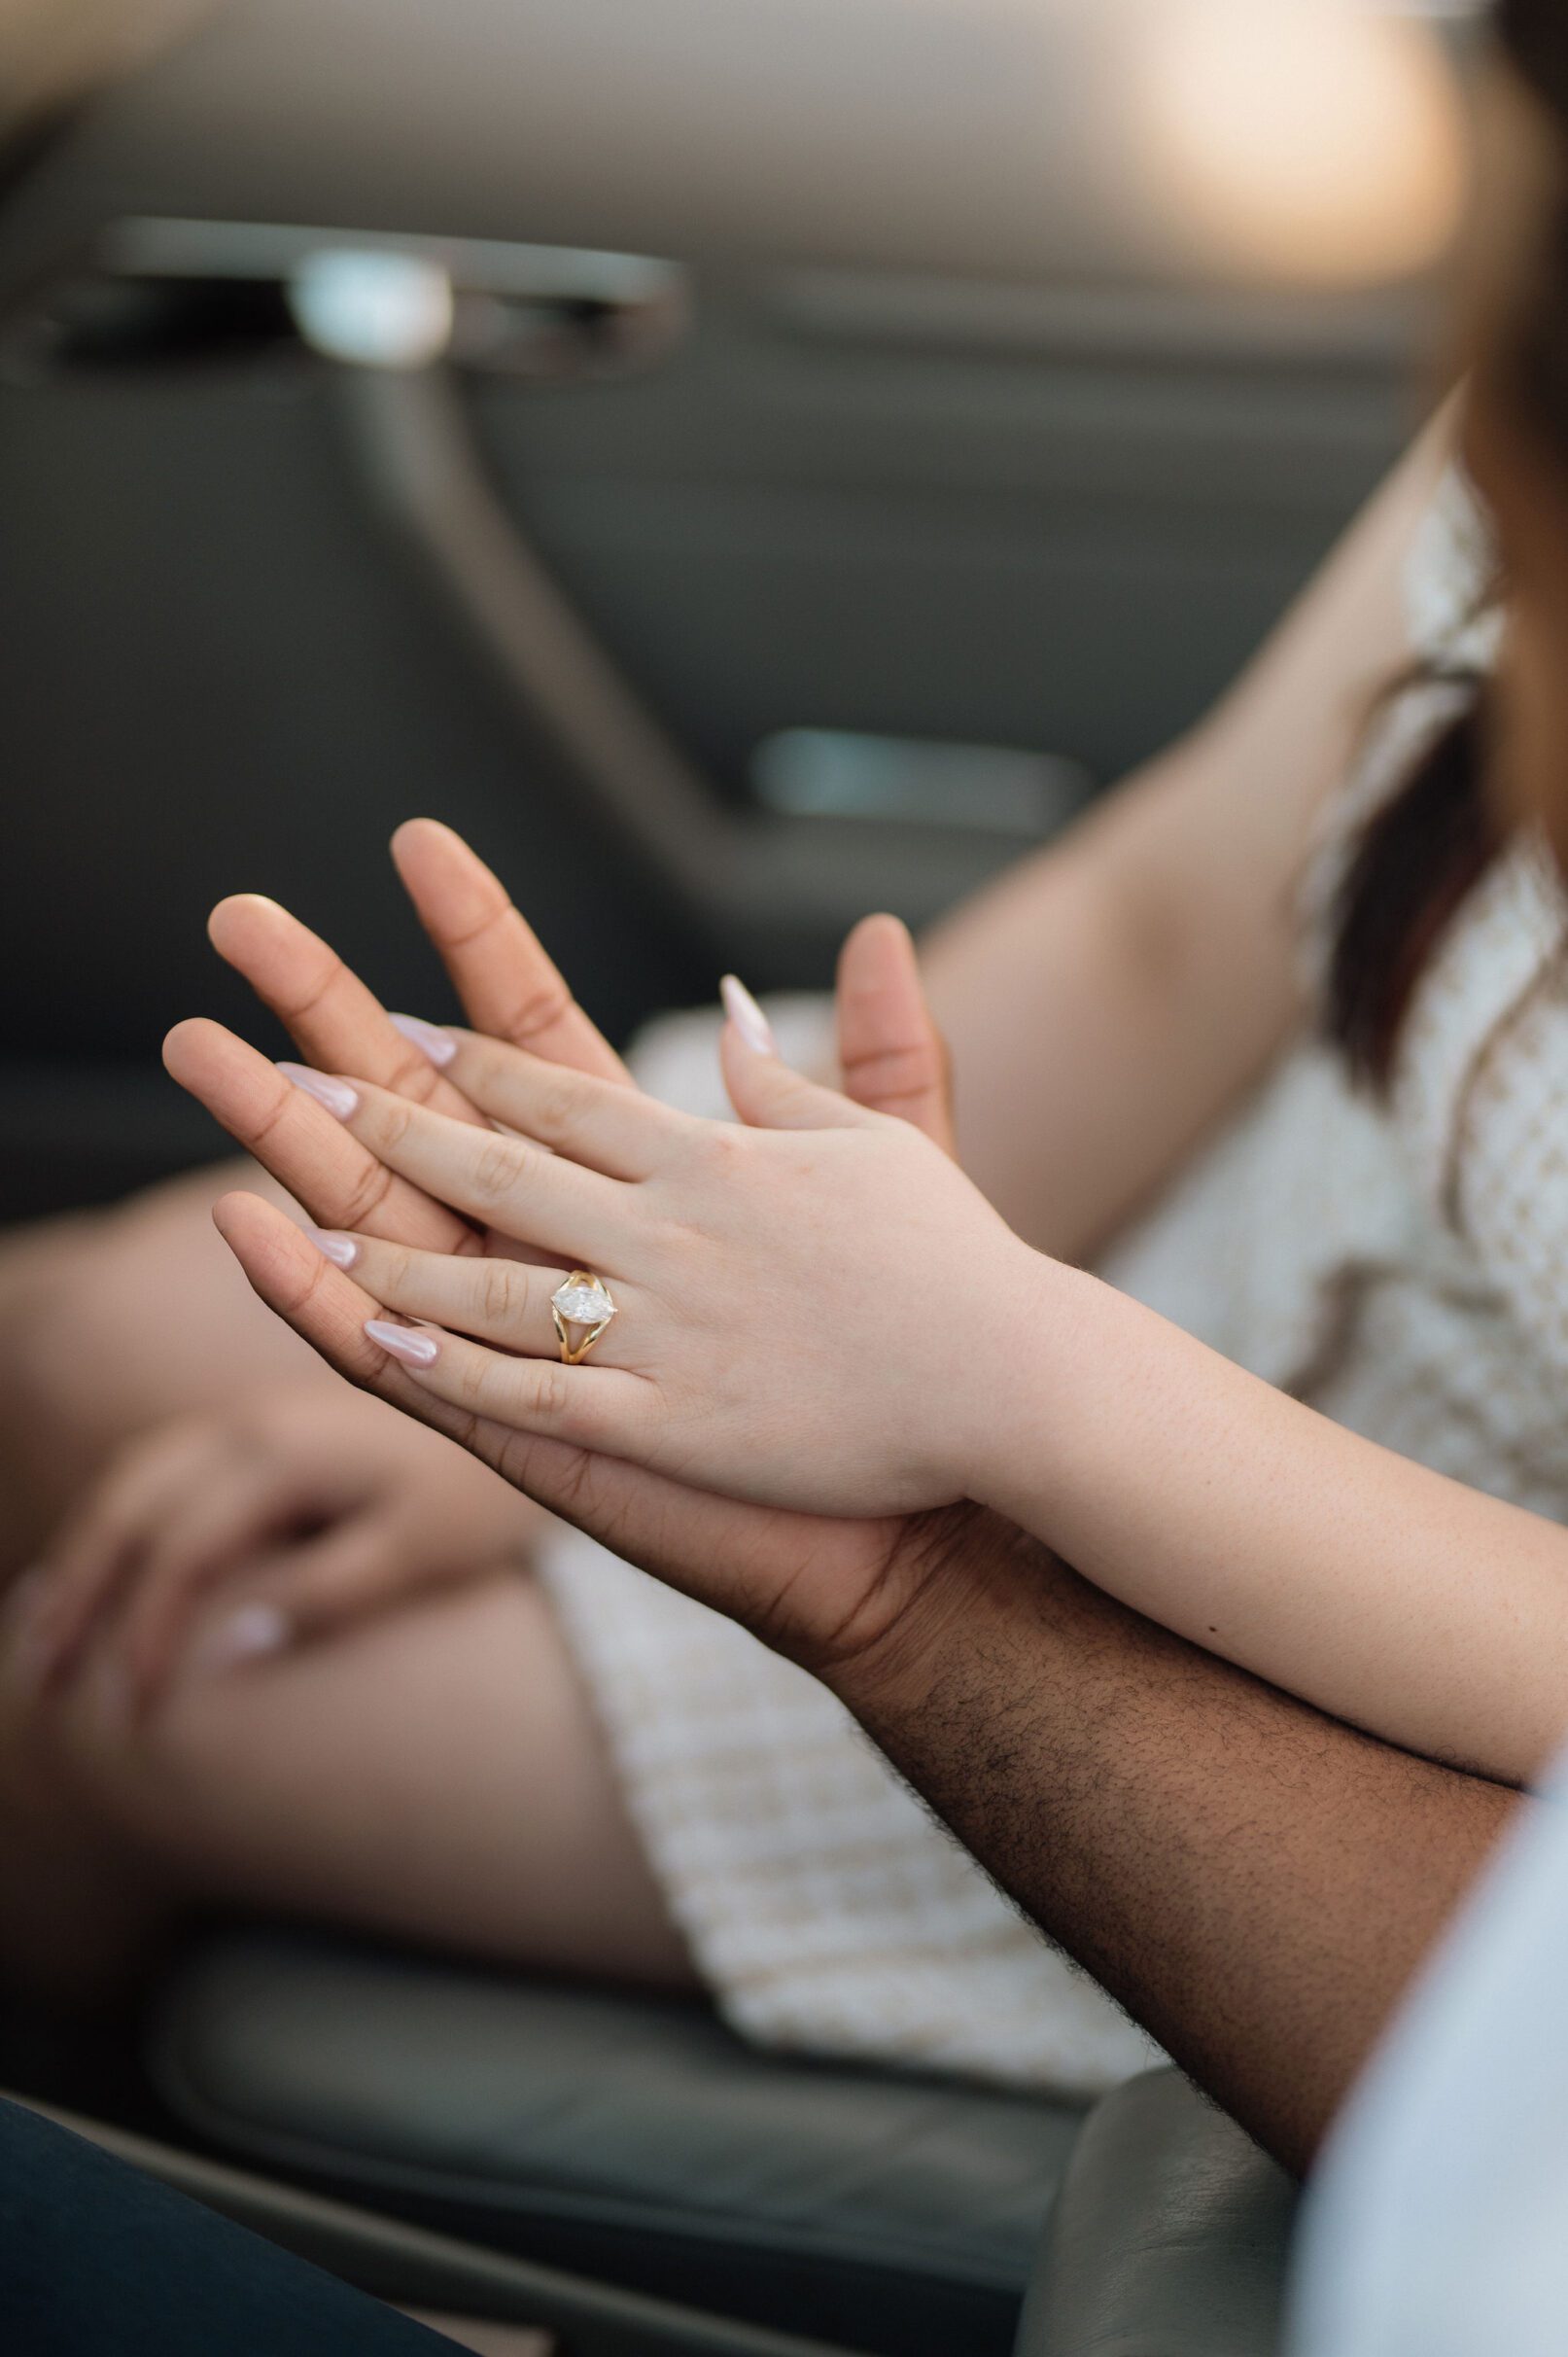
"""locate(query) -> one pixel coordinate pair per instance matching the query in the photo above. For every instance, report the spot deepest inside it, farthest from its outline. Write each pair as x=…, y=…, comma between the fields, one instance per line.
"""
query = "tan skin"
x=1323, y=1863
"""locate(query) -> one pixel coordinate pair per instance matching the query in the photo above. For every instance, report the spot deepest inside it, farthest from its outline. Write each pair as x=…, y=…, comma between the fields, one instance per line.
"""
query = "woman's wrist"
x=1037, y=1324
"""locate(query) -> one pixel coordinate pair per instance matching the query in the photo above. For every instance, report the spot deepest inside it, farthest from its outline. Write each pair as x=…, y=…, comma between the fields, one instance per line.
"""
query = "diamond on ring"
x=583, y=1302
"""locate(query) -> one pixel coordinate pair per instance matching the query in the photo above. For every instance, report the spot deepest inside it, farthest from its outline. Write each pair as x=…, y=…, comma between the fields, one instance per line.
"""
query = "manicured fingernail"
x=406, y=1343
x=429, y=1037
x=336, y=1095
x=334, y=1246
x=249, y=1634
x=748, y=1017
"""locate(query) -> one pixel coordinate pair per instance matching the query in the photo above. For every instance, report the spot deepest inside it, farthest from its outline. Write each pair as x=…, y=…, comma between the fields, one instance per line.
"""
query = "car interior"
x=743, y=463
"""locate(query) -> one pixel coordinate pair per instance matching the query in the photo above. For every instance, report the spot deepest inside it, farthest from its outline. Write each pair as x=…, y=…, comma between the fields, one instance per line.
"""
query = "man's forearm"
x=1255, y=1883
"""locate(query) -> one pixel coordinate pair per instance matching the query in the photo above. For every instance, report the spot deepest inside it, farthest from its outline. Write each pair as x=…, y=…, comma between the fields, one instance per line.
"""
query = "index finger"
x=340, y=1025
x=510, y=987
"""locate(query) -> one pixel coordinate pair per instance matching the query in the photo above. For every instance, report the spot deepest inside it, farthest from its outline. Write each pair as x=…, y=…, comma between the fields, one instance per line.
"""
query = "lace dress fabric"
x=1402, y=1265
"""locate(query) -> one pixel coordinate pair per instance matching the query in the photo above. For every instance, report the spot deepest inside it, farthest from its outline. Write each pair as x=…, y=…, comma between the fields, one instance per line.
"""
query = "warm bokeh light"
x=1309, y=140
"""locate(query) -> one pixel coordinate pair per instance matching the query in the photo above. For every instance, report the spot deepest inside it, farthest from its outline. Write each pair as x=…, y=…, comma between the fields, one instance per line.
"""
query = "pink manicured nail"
x=404, y=1342
x=334, y=1246
x=748, y=1017
x=336, y=1095
x=429, y=1037
x=249, y=1634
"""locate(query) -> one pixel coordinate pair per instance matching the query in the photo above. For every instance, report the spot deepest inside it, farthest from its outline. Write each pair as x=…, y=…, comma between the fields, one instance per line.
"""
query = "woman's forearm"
x=1109, y=1002
x=1083, y=984
x=1395, y=1599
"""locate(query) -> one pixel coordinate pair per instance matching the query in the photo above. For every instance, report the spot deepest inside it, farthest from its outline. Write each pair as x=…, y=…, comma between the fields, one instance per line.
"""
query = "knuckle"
x=500, y=1167
x=362, y=1201
x=412, y=1076
x=552, y=1394
x=720, y=1150
x=395, y=1120
x=471, y=1382
x=538, y=1009
x=256, y=1134
x=467, y=1430
x=489, y=1061
x=503, y=1292
x=555, y=1108
x=328, y=974
x=315, y=1278
x=399, y=1265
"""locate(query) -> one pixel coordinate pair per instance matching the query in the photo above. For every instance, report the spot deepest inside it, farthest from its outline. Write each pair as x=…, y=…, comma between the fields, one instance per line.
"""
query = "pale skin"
x=1172, y=1003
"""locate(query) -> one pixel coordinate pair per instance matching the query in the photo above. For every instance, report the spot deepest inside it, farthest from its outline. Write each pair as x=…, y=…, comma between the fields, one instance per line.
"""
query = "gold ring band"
x=583, y=1302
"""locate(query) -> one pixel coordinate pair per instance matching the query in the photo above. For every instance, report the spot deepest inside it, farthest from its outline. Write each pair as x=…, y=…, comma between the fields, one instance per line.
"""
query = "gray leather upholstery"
x=621, y=2137
x=1169, y=2238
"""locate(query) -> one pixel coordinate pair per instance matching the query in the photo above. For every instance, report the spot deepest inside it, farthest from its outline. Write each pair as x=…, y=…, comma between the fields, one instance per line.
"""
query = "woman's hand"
x=301, y=1515
x=817, y=1314
x=828, y=1592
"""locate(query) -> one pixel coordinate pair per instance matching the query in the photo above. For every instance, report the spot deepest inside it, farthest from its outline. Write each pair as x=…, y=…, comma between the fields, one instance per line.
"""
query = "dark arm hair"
x=1255, y=1883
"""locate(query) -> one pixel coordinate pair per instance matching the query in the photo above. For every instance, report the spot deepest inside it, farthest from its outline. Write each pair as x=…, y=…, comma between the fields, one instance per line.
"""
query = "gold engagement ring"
x=583, y=1302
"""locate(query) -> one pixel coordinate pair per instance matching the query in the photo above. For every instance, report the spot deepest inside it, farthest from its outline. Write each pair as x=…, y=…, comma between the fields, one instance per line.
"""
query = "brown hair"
x=1424, y=852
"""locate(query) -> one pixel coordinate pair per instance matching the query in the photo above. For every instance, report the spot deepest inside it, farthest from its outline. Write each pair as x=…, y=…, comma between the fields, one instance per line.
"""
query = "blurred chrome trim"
x=608, y=311
x=148, y=246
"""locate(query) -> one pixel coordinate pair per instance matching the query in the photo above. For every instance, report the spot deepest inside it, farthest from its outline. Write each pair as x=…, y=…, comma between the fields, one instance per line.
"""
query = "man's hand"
x=893, y=1061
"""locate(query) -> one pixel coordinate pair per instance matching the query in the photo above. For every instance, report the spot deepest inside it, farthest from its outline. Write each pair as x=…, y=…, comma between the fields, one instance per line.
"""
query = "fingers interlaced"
x=339, y=1180
x=338, y=1023
x=510, y=987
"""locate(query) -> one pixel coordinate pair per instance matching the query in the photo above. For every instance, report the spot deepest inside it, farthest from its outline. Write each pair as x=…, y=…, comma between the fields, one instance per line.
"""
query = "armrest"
x=1168, y=2239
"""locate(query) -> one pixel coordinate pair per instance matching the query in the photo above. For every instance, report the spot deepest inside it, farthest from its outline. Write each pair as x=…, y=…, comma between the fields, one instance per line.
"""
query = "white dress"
x=1404, y=1267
